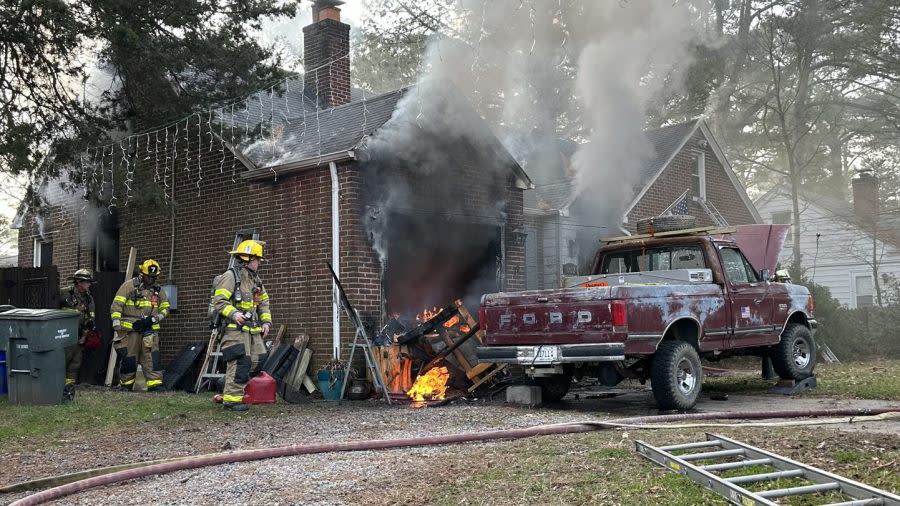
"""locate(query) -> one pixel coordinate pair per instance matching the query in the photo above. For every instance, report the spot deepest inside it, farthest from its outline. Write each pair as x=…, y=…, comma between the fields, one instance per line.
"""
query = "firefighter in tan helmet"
x=241, y=301
x=136, y=311
x=77, y=297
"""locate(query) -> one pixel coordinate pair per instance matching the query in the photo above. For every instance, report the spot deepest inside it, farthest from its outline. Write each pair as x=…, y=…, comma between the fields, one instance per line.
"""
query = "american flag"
x=679, y=206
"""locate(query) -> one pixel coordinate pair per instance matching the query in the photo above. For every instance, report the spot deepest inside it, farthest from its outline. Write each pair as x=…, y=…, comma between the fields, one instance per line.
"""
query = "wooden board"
x=111, y=365
x=487, y=377
x=309, y=384
x=672, y=233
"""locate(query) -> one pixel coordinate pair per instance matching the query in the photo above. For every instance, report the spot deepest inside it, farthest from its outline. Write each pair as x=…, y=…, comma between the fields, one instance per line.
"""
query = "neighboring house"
x=315, y=186
x=837, y=243
x=687, y=170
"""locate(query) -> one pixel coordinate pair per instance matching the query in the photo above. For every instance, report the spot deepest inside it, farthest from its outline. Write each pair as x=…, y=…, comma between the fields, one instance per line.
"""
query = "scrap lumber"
x=111, y=364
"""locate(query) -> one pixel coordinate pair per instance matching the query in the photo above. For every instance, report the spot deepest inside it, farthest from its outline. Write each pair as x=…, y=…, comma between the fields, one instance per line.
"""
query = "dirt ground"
x=358, y=477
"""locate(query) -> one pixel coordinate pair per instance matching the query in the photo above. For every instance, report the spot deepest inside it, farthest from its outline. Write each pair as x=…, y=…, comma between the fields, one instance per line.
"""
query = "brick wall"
x=61, y=227
x=293, y=217
x=679, y=175
x=326, y=50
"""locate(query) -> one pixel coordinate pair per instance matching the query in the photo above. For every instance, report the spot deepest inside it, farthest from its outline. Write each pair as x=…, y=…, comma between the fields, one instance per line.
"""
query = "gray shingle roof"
x=319, y=132
x=555, y=193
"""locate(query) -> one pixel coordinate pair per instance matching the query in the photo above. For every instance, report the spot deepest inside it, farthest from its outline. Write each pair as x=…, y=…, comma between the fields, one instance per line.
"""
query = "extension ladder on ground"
x=362, y=341
x=209, y=371
x=718, y=447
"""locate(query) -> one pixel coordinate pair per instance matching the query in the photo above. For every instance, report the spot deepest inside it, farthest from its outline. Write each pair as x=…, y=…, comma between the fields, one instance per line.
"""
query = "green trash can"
x=36, y=340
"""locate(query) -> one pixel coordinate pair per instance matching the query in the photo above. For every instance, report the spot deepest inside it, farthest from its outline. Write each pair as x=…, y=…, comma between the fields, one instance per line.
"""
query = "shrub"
x=856, y=334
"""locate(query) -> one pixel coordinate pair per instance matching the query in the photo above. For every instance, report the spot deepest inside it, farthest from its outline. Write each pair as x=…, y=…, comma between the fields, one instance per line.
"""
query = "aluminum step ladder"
x=741, y=455
x=209, y=370
x=363, y=342
x=360, y=340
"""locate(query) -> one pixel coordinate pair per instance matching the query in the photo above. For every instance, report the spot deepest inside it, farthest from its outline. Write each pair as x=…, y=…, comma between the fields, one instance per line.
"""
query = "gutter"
x=335, y=261
x=259, y=173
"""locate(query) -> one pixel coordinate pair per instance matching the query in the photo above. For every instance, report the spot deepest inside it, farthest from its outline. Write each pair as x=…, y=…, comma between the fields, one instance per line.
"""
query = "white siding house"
x=836, y=250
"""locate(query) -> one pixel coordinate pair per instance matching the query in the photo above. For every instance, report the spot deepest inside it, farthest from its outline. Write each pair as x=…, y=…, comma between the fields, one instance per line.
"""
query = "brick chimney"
x=865, y=195
x=326, y=50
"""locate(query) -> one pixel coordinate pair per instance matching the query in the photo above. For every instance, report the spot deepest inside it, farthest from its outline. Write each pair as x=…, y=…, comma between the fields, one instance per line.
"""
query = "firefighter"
x=136, y=311
x=241, y=299
x=78, y=297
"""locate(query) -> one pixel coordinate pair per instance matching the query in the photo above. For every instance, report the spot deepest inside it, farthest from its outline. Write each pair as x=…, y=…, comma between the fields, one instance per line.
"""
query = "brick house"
x=315, y=180
x=687, y=166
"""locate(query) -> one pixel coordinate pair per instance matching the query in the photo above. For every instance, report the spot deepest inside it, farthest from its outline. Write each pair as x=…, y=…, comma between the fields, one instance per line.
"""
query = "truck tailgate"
x=564, y=316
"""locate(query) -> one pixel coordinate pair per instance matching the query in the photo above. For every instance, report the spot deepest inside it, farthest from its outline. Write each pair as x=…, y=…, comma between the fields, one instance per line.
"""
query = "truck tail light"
x=482, y=317
x=812, y=304
x=619, y=313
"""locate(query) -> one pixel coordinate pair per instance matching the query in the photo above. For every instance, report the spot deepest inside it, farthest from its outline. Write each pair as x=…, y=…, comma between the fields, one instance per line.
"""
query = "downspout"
x=335, y=262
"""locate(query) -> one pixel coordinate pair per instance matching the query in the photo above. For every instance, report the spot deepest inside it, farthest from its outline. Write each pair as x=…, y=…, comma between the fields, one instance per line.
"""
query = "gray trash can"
x=36, y=340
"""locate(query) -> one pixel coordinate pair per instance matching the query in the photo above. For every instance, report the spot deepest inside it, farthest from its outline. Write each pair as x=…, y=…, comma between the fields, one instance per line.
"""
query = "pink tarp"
x=762, y=244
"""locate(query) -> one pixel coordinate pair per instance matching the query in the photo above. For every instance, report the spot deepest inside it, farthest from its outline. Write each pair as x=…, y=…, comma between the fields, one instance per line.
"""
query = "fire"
x=427, y=314
x=431, y=386
x=452, y=321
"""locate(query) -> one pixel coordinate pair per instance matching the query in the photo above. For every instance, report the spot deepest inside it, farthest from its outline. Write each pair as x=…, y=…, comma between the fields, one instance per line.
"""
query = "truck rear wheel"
x=554, y=388
x=676, y=375
x=794, y=357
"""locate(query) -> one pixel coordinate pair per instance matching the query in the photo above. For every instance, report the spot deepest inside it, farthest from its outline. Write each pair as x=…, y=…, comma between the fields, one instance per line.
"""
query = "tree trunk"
x=875, y=284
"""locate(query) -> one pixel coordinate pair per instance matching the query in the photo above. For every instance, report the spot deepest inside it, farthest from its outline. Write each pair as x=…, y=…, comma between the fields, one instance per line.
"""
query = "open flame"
x=431, y=386
x=427, y=314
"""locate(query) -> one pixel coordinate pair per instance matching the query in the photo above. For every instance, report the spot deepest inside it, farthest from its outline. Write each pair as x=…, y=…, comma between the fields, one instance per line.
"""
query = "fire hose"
x=153, y=468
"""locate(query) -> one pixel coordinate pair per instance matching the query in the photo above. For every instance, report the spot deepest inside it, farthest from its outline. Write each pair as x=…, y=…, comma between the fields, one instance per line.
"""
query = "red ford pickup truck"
x=652, y=307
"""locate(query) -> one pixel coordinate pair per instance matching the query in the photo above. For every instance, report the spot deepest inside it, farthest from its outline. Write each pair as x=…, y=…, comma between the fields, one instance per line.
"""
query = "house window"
x=784, y=218
x=43, y=253
x=700, y=175
x=864, y=291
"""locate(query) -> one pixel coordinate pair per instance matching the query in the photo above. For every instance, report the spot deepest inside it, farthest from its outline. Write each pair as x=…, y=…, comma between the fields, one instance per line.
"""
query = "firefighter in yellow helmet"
x=240, y=298
x=77, y=297
x=136, y=311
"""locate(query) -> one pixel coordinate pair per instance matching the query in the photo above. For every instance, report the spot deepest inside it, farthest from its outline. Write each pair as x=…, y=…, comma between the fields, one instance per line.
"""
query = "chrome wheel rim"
x=686, y=376
x=801, y=353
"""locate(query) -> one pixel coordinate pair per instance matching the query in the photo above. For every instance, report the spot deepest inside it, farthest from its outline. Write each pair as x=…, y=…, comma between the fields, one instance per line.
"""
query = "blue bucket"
x=331, y=390
x=4, y=389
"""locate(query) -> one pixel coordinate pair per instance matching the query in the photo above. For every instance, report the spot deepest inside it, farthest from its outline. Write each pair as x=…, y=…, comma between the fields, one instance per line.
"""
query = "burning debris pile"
x=424, y=359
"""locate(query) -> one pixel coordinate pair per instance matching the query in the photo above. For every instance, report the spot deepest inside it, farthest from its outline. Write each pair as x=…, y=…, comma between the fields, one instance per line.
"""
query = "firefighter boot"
x=235, y=406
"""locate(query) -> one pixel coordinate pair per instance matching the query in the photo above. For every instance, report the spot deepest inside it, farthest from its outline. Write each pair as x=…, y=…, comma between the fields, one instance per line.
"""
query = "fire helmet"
x=151, y=268
x=83, y=275
x=248, y=249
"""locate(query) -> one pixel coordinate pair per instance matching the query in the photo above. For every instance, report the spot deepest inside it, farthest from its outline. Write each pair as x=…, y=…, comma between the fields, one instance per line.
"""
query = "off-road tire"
x=794, y=357
x=554, y=388
x=676, y=375
x=666, y=223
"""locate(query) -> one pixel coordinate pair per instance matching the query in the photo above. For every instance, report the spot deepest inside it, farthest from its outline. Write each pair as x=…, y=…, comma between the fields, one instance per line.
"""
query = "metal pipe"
x=383, y=444
x=335, y=262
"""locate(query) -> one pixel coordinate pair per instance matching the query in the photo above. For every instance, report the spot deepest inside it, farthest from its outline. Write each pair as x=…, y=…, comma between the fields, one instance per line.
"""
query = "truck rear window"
x=653, y=259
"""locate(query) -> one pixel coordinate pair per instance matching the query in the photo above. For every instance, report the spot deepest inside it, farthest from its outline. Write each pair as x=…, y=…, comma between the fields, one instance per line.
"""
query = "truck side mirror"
x=764, y=274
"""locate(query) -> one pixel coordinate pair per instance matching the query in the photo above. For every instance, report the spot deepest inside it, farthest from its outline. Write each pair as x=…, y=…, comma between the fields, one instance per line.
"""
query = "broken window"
x=43, y=253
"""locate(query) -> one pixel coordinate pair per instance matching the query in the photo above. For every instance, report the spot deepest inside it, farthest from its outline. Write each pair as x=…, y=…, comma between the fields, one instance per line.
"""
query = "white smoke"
x=539, y=71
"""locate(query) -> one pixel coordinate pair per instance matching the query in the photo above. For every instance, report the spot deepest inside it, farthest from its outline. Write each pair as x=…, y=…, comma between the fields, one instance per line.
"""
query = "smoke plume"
x=539, y=71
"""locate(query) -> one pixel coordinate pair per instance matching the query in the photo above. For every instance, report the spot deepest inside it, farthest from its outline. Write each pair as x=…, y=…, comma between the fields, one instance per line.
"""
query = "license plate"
x=546, y=353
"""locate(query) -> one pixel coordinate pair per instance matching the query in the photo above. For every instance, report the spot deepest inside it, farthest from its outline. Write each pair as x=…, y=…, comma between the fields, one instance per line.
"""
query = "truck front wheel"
x=554, y=388
x=794, y=357
x=676, y=375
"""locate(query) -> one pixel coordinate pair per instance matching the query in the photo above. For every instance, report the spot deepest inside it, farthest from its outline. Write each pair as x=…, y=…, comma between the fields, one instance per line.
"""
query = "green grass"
x=859, y=380
x=603, y=468
x=98, y=409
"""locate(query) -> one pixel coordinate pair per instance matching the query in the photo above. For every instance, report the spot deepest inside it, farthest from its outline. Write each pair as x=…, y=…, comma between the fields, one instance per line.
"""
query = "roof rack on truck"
x=672, y=233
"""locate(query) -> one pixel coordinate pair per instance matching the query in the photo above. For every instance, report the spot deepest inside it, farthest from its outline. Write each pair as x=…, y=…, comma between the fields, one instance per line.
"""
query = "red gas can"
x=260, y=390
